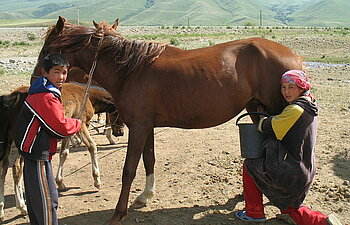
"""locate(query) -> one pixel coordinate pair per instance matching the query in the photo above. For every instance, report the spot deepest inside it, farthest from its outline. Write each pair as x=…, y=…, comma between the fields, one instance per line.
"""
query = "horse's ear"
x=62, y=18
x=60, y=24
x=116, y=23
x=99, y=27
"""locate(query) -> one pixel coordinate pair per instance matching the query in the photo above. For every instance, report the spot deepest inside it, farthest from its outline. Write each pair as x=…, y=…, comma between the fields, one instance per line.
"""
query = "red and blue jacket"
x=41, y=122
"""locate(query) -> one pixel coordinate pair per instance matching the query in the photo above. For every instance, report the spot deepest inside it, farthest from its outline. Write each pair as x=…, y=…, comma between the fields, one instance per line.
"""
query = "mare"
x=157, y=85
x=99, y=101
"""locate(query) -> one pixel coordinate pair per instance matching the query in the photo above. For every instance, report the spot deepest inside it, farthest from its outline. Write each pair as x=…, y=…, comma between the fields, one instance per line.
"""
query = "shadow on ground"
x=341, y=165
x=196, y=215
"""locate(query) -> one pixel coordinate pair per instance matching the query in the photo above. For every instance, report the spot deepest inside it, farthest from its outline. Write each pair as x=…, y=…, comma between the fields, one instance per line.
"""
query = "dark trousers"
x=41, y=192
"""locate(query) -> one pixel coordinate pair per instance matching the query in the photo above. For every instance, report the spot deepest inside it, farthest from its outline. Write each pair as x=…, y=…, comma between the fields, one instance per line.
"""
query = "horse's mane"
x=129, y=55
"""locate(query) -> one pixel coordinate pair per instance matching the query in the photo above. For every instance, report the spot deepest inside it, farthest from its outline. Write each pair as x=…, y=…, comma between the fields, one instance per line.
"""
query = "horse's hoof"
x=97, y=185
x=137, y=205
x=116, y=220
x=61, y=187
x=24, y=211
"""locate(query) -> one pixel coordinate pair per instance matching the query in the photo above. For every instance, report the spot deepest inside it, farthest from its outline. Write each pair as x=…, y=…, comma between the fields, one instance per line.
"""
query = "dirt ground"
x=198, y=172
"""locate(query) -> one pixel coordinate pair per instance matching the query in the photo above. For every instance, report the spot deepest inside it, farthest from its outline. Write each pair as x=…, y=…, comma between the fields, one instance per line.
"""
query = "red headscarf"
x=298, y=78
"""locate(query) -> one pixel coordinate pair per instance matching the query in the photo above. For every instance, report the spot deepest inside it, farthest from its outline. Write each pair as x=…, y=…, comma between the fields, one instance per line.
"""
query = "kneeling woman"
x=285, y=175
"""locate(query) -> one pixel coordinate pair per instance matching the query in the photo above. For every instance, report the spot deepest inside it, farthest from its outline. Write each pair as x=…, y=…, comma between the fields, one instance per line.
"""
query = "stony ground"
x=198, y=172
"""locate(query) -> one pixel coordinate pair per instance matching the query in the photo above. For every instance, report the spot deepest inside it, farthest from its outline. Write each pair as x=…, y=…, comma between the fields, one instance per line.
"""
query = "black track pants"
x=41, y=192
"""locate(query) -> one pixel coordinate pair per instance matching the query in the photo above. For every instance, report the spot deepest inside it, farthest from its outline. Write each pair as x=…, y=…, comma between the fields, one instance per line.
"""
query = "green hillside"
x=184, y=12
x=324, y=13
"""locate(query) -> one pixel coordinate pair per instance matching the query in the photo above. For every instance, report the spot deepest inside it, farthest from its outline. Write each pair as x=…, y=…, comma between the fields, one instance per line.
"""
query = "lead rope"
x=88, y=84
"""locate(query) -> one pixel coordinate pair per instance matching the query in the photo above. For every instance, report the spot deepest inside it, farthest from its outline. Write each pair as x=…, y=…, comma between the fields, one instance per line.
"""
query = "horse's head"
x=107, y=29
x=99, y=47
x=70, y=40
x=116, y=124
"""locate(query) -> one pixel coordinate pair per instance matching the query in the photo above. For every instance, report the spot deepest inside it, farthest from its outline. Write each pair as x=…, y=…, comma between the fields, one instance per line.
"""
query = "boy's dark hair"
x=52, y=60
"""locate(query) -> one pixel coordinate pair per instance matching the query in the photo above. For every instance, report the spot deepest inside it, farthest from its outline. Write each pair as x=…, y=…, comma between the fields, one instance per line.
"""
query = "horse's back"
x=72, y=97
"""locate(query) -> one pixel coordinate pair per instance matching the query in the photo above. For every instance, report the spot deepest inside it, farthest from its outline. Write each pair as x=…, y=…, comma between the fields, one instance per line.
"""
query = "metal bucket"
x=251, y=140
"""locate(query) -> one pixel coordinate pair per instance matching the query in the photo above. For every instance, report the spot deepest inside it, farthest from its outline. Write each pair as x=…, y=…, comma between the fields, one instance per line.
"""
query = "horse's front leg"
x=148, y=161
x=4, y=164
x=64, y=152
x=92, y=148
x=17, y=173
x=136, y=143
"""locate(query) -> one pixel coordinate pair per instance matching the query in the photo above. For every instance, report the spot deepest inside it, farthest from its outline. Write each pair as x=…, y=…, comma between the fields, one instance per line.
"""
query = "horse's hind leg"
x=255, y=106
x=109, y=135
x=99, y=118
x=4, y=163
x=64, y=152
x=108, y=130
x=75, y=140
x=91, y=146
x=17, y=173
x=148, y=160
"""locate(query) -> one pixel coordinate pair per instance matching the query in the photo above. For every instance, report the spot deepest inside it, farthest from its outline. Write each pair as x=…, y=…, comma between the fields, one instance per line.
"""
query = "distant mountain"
x=323, y=13
x=184, y=12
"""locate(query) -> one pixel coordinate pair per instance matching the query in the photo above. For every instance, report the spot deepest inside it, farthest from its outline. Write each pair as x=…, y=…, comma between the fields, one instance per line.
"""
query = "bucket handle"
x=251, y=113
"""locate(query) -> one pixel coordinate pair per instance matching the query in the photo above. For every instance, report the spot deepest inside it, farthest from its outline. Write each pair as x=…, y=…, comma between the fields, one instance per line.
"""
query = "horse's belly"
x=195, y=119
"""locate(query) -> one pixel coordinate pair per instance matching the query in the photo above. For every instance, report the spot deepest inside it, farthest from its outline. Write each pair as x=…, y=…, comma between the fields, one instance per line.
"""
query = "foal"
x=99, y=101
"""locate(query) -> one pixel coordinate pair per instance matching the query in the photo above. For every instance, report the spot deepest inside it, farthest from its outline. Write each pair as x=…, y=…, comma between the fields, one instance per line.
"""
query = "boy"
x=39, y=125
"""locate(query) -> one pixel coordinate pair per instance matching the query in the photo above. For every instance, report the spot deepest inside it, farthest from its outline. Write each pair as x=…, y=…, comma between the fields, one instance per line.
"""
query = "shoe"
x=333, y=220
x=243, y=216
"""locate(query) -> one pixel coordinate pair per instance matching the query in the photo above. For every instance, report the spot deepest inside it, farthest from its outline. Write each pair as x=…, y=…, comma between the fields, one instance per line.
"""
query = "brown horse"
x=155, y=85
x=99, y=101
